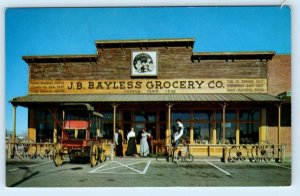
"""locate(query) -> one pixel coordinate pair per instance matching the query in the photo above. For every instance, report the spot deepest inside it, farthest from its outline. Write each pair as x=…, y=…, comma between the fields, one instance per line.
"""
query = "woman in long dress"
x=131, y=148
x=144, y=147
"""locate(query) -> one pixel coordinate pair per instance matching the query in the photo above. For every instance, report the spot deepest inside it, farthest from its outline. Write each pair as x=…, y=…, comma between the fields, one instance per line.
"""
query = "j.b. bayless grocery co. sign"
x=148, y=86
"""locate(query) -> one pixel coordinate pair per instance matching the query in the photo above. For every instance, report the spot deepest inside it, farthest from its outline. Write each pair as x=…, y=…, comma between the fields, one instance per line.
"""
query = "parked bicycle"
x=185, y=153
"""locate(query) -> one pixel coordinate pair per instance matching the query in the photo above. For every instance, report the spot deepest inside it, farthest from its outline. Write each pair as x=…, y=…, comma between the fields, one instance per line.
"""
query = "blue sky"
x=59, y=31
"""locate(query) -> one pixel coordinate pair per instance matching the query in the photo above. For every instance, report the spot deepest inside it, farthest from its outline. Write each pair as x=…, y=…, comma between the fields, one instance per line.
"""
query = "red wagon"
x=76, y=140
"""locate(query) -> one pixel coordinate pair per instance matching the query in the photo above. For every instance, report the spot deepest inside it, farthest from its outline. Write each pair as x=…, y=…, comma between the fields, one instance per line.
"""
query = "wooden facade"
x=175, y=60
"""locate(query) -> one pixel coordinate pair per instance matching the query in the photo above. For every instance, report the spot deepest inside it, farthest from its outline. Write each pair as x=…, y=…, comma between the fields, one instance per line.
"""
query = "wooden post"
x=31, y=125
x=168, y=131
x=223, y=123
x=55, y=132
x=214, y=133
x=237, y=132
x=114, y=120
x=263, y=128
x=279, y=127
x=191, y=135
x=14, y=124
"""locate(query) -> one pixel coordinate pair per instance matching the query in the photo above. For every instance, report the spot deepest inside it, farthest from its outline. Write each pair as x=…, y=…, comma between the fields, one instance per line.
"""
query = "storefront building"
x=221, y=97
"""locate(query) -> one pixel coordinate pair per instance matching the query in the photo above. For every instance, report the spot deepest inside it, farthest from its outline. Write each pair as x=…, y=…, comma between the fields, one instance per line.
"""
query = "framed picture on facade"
x=143, y=63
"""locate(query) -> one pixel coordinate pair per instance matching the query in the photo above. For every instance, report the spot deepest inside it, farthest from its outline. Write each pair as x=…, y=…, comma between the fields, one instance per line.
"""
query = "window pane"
x=219, y=116
x=183, y=115
x=163, y=116
x=230, y=129
x=107, y=130
x=203, y=115
x=145, y=117
x=203, y=133
x=108, y=116
x=127, y=116
x=230, y=115
x=249, y=133
x=249, y=115
x=219, y=133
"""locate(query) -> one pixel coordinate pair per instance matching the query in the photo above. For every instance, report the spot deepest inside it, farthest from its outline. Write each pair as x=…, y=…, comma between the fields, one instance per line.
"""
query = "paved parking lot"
x=146, y=172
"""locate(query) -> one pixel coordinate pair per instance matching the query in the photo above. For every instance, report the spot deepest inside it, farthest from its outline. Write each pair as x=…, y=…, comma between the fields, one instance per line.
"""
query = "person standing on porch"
x=119, y=143
x=131, y=148
x=144, y=147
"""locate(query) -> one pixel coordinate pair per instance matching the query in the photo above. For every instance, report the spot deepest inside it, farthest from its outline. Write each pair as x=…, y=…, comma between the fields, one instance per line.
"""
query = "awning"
x=285, y=97
x=122, y=98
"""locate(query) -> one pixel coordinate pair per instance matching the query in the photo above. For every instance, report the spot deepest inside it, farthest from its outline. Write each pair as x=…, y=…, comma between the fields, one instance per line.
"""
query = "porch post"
x=55, y=132
x=214, y=132
x=223, y=123
x=279, y=127
x=263, y=128
x=13, y=137
x=114, y=105
x=237, y=132
x=192, y=130
x=168, y=131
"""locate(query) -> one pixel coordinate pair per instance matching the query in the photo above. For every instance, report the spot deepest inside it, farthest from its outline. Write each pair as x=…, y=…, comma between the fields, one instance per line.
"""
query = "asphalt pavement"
x=146, y=172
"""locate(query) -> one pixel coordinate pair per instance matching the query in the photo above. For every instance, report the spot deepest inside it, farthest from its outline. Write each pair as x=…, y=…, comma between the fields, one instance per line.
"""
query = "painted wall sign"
x=143, y=63
x=144, y=86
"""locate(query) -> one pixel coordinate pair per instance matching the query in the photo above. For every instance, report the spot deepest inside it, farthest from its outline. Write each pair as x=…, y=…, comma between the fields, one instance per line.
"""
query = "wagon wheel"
x=71, y=155
x=57, y=154
x=94, y=156
x=267, y=153
x=238, y=153
x=101, y=155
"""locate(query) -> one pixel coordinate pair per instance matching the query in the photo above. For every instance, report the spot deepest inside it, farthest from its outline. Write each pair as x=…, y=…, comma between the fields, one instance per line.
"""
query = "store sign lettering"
x=148, y=86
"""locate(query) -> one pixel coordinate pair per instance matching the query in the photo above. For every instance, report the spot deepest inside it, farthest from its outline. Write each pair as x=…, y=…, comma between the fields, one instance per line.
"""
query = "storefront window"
x=203, y=133
x=205, y=115
x=249, y=126
x=202, y=124
x=219, y=133
x=249, y=115
x=107, y=132
x=183, y=115
x=230, y=130
x=249, y=133
x=44, y=126
x=144, y=117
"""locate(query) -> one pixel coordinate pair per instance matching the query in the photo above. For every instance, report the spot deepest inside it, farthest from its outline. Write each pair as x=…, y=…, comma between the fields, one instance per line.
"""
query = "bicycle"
x=162, y=152
x=185, y=153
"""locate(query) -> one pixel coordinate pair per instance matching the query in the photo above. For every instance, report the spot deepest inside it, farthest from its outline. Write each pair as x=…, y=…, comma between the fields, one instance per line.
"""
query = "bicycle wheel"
x=189, y=158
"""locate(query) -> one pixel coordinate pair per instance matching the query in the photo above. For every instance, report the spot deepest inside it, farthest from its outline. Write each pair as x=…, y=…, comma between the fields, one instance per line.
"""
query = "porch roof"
x=28, y=100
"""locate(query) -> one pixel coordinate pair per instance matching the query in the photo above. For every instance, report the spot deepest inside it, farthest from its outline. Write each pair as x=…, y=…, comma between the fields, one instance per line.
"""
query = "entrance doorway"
x=145, y=120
